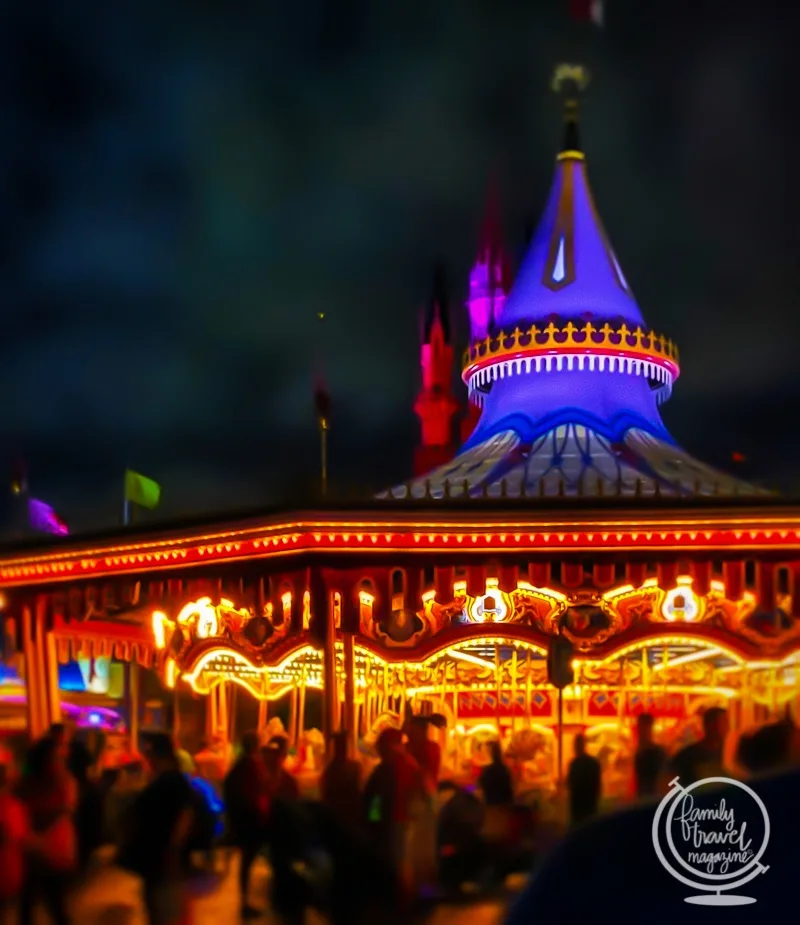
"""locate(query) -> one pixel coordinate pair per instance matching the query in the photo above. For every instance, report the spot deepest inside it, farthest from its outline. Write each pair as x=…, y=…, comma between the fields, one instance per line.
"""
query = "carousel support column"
x=560, y=742
x=35, y=688
x=529, y=692
x=514, y=679
x=211, y=715
x=222, y=710
x=301, y=706
x=233, y=697
x=498, y=680
x=294, y=702
x=454, y=732
x=365, y=714
x=51, y=659
x=46, y=643
x=405, y=707
x=350, y=694
x=322, y=616
x=746, y=709
x=263, y=714
x=133, y=703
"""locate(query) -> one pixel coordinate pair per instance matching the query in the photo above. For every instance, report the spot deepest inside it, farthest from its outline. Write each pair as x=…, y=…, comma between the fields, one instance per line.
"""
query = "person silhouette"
x=584, y=783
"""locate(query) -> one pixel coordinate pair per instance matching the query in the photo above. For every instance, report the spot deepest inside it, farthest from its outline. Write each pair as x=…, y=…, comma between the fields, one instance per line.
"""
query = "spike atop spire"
x=490, y=278
x=437, y=310
x=491, y=225
x=570, y=81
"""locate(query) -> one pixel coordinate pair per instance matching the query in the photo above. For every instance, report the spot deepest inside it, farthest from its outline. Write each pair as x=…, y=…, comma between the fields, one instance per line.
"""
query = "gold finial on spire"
x=570, y=81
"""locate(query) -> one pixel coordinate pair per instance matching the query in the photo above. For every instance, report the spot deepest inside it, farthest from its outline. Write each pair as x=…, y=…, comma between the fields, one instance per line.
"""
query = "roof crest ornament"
x=570, y=81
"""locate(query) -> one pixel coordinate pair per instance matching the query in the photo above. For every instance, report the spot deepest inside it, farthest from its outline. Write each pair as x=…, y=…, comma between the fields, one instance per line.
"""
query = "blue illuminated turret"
x=568, y=377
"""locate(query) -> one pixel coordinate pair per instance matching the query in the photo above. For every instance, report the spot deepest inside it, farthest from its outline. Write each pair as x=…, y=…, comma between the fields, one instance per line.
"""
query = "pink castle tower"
x=490, y=279
x=436, y=405
x=489, y=284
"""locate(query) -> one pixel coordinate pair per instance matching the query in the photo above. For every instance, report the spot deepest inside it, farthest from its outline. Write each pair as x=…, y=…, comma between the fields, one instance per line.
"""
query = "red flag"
x=587, y=11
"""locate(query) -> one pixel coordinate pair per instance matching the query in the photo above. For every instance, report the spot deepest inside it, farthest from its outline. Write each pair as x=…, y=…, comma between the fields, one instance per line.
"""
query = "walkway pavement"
x=112, y=898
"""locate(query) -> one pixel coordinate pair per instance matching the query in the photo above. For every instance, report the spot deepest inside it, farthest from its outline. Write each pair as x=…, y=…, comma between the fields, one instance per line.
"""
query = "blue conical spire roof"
x=570, y=269
x=567, y=384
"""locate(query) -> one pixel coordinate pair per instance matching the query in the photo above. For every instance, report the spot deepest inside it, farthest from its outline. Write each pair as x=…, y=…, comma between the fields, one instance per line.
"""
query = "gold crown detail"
x=628, y=349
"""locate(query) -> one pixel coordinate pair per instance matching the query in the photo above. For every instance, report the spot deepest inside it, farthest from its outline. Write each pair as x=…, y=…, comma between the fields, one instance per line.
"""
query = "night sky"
x=184, y=186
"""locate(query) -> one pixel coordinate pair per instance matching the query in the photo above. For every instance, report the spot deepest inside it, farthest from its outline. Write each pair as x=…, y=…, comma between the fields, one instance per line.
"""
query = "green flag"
x=141, y=490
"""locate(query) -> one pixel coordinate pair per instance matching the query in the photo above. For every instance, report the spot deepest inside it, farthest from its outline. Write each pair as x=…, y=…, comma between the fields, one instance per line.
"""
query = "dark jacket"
x=246, y=800
x=613, y=860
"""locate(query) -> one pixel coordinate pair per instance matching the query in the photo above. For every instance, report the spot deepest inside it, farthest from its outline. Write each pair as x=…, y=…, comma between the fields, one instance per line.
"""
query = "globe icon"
x=715, y=885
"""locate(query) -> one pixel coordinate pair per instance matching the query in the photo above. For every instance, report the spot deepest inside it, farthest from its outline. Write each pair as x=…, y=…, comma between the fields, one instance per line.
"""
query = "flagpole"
x=127, y=512
x=323, y=402
x=323, y=446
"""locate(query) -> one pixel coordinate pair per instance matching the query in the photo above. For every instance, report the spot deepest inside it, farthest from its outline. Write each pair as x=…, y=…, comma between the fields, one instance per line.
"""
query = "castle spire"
x=490, y=279
x=436, y=405
x=436, y=312
x=491, y=235
x=570, y=270
x=569, y=384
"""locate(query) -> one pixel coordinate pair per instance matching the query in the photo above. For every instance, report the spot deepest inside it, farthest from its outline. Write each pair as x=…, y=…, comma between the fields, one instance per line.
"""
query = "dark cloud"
x=184, y=187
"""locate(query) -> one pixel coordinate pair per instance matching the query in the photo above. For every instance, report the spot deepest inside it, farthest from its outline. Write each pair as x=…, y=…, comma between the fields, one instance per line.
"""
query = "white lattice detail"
x=482, y=379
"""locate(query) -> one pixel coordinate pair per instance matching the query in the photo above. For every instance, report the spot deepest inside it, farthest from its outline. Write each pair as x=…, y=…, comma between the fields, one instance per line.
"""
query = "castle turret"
x=490, y=278
x=567, y=375
x=436, y=405
x=489, y=283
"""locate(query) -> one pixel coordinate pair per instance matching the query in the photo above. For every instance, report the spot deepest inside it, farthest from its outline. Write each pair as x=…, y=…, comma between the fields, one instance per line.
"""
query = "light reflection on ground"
x=112, y=898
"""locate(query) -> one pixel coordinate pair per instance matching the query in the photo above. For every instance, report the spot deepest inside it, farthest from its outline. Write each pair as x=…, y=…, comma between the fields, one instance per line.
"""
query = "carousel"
x=567, y=512
x=481, y=663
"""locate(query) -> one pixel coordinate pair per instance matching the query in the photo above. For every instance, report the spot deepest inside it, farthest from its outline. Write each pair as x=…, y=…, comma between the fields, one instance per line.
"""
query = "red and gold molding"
x=571, y=534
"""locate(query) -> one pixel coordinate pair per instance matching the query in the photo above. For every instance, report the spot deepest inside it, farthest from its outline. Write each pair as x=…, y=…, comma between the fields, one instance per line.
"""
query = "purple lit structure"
x=44, y=519
x=564, y=371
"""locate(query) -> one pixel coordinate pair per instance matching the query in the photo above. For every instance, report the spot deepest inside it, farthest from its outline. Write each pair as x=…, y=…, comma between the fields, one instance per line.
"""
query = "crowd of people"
x=368, y=844
x=769, y=748
x=351, y=848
